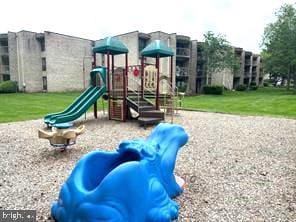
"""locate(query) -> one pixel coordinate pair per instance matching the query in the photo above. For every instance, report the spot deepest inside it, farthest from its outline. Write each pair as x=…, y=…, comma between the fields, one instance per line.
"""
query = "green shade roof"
x=155, y=48
x=111, y=44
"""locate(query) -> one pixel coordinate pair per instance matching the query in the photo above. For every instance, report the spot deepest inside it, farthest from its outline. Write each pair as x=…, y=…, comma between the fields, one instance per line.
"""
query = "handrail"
x=173, y=91
x=182, y=71
x=137, y=81
x=130, y=79
x=152, y=93
x=181, y=51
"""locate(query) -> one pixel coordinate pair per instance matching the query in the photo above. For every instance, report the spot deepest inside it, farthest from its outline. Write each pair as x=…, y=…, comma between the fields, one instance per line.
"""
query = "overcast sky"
x=241, y=21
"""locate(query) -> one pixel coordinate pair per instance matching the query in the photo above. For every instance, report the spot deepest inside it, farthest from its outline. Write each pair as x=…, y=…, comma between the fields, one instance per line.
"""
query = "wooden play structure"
x=134, y=91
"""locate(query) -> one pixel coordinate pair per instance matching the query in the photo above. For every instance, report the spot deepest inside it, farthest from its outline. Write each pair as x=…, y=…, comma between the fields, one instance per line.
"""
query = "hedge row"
x=253, y=86
x=8, y=87
x=213, y=90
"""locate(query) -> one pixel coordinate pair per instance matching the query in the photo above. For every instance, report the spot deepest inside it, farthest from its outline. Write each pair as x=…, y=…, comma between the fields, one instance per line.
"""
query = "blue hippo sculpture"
x=135, y=183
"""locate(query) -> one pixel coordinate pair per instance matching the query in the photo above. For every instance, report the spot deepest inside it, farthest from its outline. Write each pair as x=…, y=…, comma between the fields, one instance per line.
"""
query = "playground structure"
x=132, y=95
x=133, y=92
x=106, y=186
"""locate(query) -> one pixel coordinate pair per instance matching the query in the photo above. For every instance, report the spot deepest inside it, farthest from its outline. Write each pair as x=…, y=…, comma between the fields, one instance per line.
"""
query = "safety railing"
x=183, y=52
x=134, y=84
x=171, y=100
x=182, y=71
x=134, y=88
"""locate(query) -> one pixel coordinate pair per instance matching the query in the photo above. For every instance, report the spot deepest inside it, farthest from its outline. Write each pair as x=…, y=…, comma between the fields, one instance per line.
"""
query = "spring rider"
x=135, y=183
x=62, y=135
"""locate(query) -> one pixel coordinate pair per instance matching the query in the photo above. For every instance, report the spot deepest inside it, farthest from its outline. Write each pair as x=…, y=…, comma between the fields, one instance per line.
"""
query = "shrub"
x=241, y=88
x=213, y=90
x=8, y=87
x=182, y=88
x=265, y=84
x=253, y=86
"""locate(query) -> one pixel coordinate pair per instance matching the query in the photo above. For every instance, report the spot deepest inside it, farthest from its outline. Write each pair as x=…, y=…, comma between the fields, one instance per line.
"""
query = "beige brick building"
x=45, y=61
x=55, y=62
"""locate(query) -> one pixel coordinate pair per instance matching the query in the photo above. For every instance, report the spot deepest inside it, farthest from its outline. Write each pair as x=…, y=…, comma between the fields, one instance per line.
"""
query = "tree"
x=279, y=42
x=219, y=55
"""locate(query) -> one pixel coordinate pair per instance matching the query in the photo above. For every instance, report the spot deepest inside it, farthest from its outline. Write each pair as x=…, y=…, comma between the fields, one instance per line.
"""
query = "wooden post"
x=95, y=104
x=142, y=77
x=157, y=84
x=126, y=80
x=95, y=61
x=96, y=109
x=125, y=77
x=108, y=74
x=172, y=89
x=171, y=72
x=112, y=70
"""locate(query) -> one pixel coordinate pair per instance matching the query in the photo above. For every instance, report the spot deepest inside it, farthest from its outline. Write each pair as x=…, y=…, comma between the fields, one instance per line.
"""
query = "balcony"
x=182, y=71
x=247, y=63
x=200, y=73
x=4, y=69
x=183, y=52
x=237, y=74
x=3, y=50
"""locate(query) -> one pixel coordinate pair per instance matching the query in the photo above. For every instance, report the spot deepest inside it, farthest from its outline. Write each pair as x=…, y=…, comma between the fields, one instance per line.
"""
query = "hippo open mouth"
x=134, y=183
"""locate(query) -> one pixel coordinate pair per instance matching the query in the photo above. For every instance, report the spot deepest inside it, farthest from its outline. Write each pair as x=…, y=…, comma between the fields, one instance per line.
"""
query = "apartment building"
x=4, y=58
x=199, y=66
x=183, y=61
x=250, y=70
x=45, y=61
x=51, y=62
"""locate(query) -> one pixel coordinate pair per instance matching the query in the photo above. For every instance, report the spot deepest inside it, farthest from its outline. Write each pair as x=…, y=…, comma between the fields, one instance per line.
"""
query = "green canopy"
x=111, y=44
x=155, y=48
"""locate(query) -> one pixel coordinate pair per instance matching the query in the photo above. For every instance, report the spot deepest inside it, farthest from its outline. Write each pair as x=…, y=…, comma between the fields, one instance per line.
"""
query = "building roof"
x=183, y=38
x=111, y=44
x=157, y=48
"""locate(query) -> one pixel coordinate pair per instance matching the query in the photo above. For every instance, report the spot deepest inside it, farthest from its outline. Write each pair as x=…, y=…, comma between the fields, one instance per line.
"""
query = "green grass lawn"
x=25, y=106
x=265, y=101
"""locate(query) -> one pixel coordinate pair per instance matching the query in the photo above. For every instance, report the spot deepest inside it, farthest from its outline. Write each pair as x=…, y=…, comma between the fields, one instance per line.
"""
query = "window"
x=41, y=41
x=42, y=45
x=43, y=64
x=5, y=60
x=4, y=42
x=44, y=80
x=6, y=77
